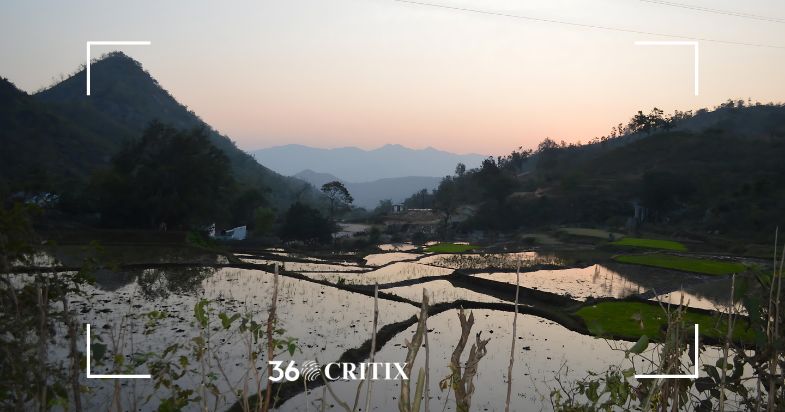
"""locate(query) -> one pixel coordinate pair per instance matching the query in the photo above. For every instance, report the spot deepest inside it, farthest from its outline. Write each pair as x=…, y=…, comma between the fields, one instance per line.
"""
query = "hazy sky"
x=332, y=73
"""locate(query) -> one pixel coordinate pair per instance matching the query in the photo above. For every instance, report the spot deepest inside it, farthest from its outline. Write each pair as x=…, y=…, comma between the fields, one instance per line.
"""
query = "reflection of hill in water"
x=654, y=279
x=156, y=283
x=596, y=281
x=613, y=280
x=670, y=286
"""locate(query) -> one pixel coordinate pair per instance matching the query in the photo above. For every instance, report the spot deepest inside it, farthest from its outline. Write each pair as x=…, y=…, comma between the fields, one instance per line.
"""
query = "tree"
x=446, y=198
x=263, y=219
x=639, y=123
x=245, y=205
x=385, y=206
x=168, y=177
x=302, y=222
x=648, y=123
x=495, y=184
x=546, y=145
x=419, y=200
x=515, y=160
x=659, y=191
x=460, y=169
x=338, y=195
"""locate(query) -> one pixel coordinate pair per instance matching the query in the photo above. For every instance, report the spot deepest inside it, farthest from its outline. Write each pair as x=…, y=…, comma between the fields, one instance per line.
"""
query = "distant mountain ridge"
x=368, y=194
x=64, y=132
x=357, y=165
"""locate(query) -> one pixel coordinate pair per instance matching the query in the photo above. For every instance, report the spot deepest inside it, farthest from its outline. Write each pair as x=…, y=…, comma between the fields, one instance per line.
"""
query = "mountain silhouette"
x=357, y=165
x=368, y=194
x=41, y=143
x=124, y=100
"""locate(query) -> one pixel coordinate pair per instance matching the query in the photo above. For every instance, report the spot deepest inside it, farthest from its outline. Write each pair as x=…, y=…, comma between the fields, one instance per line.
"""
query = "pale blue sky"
x=368, y=72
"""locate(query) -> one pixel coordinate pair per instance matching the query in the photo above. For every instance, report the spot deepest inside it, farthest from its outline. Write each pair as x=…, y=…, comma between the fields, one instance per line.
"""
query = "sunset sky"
x=332, y=73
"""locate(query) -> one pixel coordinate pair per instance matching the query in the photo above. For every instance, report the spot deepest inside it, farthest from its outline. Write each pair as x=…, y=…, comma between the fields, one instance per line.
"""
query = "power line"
x=716, y=11
x=584, y=25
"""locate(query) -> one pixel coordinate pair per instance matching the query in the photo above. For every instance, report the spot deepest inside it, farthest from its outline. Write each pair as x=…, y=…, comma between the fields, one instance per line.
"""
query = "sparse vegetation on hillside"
x=60, y=135
x=704, y=172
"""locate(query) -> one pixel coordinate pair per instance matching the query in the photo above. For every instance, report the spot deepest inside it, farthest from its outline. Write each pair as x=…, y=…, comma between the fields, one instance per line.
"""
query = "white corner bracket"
x=694, y=375
x=695, y=48
x=91, y=376
x=107, y=43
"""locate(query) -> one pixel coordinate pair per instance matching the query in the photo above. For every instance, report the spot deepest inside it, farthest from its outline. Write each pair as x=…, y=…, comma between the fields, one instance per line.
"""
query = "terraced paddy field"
x=325, y=312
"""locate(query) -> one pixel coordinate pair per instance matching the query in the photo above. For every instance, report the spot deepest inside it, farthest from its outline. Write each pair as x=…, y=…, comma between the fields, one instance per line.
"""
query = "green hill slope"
x=41, y=145
x=125, y=99
x=718, y=172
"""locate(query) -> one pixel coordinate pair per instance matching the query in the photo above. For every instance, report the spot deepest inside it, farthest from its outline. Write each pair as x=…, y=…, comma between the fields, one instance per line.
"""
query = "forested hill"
x=718, y=171
x=124, y=100
x=38, y=140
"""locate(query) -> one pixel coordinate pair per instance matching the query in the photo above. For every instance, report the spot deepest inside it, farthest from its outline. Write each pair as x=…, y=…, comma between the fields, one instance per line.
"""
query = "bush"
x=263, y=219
x=302, y=222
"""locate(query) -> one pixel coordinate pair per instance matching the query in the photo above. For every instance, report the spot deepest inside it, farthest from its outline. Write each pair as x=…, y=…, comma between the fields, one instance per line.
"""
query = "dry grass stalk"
x=340, y=402
x=726, y=347
x=463, y=382
x=42, y=293
x=404, y=403
x=372, y=355
x=514, y=334
x=270, y=343
x=427, y=371
x=73, y=353
x=775, y=335
x=373, y=342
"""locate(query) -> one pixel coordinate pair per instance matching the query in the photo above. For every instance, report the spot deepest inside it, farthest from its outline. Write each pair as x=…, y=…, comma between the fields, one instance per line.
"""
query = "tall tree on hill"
x=419, y=200
x=338, y=195
x=446, y=198
x=460, y=169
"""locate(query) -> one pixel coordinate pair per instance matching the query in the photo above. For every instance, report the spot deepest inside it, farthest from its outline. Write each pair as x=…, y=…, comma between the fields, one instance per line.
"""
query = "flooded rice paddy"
x=328, y=320
x=599, y=281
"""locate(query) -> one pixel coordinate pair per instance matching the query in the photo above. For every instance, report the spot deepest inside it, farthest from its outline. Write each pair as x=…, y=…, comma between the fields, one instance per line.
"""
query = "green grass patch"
x=450, y=248
x=633, y=319
x=650, y=244
x=595, y=233
x=687, y=264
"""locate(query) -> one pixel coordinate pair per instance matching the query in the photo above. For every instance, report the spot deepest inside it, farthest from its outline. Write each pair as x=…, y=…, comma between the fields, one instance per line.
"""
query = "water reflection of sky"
x=441, y=291
x=542, y=349
x=328, y=321
x=713, y=294
x=599, y=281
x=325, y=320
x=395, y=272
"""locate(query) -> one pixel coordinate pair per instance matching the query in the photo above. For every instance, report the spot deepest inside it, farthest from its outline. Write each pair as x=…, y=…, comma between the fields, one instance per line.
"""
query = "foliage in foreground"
x=632, y=319
x=184, y=372
x=747, y=376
